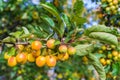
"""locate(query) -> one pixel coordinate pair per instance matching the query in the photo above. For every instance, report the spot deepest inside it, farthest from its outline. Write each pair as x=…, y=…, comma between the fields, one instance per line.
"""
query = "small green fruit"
x=109, y=55
x=108, y=61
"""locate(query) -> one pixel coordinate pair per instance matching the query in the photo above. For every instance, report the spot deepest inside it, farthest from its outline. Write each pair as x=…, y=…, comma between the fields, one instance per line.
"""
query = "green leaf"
x=12, y=74
x=40, y=34
x=98, y=66
x=78, y=20
x=16, y=34
x=115, y=69
x=104, y=37
x=48, y=20
x=24, y=16
x=107, y=68
x=84, y=49
x=45, y=27
x=62, y=29
x=49, y=36
x=104, y=5
x=26, y=31
x=57, y=42
x=100, y=55
x=58, y=30
x=11, y=51
x=66, y=20
x=19, y=78
x=78, y=7
x=25, y=36
x=51, y=9
x=9, y=39
x=98, y=28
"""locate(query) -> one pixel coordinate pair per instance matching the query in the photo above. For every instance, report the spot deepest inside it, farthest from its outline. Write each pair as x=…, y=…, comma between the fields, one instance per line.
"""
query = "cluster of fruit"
x=110, y=11
x=110, y=54
x=111, y=6
x=47, y=54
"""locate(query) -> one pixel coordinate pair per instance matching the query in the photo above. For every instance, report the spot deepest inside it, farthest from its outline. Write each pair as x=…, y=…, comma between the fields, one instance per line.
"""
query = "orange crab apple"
x=51, y=43
x=40, y=61
x=12, y=61
x=71, y=50
x=36, y=45
x=21, y=57
x=50, y=61
x=63, y=48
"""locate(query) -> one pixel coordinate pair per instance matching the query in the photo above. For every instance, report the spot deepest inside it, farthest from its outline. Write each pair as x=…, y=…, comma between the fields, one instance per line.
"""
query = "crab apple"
x=103, y=62
x=51, y=61
x=115, y=58
x=6, y=55
x=103, y=47
x=109, y=55
x=115, y=53
x=40, y=61
x=12, y=61
x=21, y=57
x=109, y=1
x=103, y=0
x=119, y=55
x=63, y=48
x=84, y=59
x=36, y=45
x=112, y=7
x=30, y=58
x=51, y=43
x=20, y=47
x=36, y=53
x=110, y=4
x=115, y=2
x=108, y=61
x=71, y=50
x=63, y=56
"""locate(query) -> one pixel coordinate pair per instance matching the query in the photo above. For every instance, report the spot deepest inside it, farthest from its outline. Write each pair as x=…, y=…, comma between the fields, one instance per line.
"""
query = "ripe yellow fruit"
x=104, y=47
x=35, y=15
x=109, y=55
x=59, y=76
x=109, y=1
x=103, y=62
x=21, y=57
x=71, y=50
x=40, y=61
x=20, y=47
x=63, y=56
x=115, y=58
x=6, y=55
x=51, y=61
x=119, y=55
x=115, y=2
x=36, y=45
x=51, y=43
x=92, y=78
x=19, y=71
x=12, y=61
x=63, y=48
x=36, y=53
x=113, y=46
x=100, y=51
x=30, y=58
x=85, y=59
x=108, y=61
x=115, y=53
